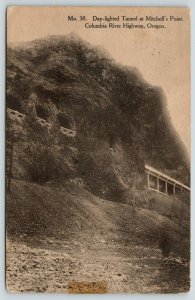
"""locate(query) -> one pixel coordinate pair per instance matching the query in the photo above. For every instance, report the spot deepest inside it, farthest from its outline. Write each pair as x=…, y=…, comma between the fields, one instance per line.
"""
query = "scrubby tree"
x=47, y=156
x=164, y=242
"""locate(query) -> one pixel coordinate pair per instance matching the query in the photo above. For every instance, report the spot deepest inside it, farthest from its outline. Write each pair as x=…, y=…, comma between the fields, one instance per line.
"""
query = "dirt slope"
x=66, y=236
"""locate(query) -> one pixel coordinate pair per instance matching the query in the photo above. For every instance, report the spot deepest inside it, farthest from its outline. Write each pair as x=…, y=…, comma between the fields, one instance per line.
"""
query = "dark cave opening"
x=13, y=103
x=41, y=113
x=65, y=121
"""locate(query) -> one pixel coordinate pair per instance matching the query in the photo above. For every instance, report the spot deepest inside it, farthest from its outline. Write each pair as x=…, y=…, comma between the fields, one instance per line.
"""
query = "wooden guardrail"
x=42, y=122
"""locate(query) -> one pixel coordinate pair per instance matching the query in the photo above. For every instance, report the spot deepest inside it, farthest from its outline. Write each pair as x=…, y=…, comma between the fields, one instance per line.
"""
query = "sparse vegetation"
x=46, y=163
x=165, y=242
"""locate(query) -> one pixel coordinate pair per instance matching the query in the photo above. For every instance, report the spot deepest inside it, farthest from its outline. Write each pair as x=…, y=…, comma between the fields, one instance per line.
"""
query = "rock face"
x=121, y=121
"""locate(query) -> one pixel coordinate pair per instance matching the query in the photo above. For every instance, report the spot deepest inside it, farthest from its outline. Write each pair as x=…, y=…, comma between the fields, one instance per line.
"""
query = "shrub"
x=47, y=162
x=165, y=243
x=151, y=203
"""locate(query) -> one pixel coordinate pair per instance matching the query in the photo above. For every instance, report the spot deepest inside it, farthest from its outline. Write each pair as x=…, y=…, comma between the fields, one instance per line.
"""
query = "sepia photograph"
x=98, y=150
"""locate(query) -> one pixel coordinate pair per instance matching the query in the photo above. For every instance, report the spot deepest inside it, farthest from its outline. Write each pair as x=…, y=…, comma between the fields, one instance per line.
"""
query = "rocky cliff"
x=121, y=121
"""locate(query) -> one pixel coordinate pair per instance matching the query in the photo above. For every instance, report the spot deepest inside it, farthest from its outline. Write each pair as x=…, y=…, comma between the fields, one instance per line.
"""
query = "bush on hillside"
x=165, y=243
x=47, y=162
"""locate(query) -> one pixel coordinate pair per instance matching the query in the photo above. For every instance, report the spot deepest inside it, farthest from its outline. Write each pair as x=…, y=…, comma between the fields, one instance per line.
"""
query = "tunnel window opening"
x=153, y=182
x=162, y=183
x=41, y=113
x=65, y=121
x=177, y=190
x=162, y=186
x=170, y=189
x=13, y=103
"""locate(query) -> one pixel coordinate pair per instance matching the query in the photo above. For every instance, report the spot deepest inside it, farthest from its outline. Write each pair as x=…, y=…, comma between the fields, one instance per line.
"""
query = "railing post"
x=148, y=179
x=166, y=187
x=158, y=184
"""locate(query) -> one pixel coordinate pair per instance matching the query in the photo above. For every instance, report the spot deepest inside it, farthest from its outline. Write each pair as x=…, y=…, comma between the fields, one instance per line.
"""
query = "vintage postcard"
x=98, y=150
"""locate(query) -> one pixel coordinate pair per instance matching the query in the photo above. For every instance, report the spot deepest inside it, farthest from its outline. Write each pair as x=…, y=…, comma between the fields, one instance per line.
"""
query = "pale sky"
x=161, y=55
